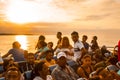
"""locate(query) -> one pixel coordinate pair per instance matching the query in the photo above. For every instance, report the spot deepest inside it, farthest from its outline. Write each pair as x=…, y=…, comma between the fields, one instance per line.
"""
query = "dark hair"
x=74, y=33
x=85, y=56
x=113, y=60
x=42, y=43
x=85, y=36
x=94, y=37
x=38, y=67
x=59, y=33
x=41, y=37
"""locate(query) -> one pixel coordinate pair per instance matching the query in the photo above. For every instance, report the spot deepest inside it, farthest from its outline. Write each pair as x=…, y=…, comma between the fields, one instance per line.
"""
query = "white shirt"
x=77, y=49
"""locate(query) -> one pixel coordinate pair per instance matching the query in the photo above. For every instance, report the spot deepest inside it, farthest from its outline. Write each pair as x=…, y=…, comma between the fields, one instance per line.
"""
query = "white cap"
x=118, y=64
x=60, y=54
x=116, y=48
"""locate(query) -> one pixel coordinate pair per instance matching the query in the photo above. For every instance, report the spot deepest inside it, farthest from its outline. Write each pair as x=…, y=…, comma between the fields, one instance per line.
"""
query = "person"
x=16, y=52
x=62, y=71
x=30, y=63
x=13, y=73
x=79, y=49
x=59, y=36
x=41, y=71
x=41, y=38
x=119, y=50
x=49, y=61
x=84, y=39
x=105, y=53
x=50, y=46
x=66, y=47
x=86, y=68
x=94, y=44
x=115, y=51
x=40, y=54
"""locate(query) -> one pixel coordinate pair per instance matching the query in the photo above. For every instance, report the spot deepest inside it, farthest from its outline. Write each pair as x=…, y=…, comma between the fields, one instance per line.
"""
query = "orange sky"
x=64, y=14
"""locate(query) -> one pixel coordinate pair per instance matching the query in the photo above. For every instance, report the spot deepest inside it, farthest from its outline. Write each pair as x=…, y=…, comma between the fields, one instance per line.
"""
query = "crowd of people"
x=89, y=60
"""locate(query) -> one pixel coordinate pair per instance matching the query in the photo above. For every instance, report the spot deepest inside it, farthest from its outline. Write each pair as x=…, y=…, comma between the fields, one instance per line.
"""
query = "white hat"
x=116, y=48
x=60, y=54
x=118, y=64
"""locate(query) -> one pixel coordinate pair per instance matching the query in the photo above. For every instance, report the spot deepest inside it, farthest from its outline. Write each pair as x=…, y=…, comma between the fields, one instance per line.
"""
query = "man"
x=84, y=39
x=16, y=52
x=79, y=49
x=62, y=71
x=59, y=36
x=13, y=73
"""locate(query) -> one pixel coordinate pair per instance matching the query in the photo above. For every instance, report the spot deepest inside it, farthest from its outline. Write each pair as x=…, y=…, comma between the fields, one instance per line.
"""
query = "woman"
x=86, y=68
x=41, y=71
x=65, y=47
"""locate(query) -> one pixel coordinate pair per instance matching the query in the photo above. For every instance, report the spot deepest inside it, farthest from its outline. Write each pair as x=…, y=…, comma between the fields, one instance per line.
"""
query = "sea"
x=109, y=38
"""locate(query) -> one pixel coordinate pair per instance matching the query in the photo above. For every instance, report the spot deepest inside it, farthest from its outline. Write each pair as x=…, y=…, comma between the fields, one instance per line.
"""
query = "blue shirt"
x=18, y=54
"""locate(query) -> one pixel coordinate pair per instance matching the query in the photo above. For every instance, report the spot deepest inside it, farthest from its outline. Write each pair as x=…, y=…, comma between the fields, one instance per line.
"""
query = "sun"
x=26, y=11
x=21, y=11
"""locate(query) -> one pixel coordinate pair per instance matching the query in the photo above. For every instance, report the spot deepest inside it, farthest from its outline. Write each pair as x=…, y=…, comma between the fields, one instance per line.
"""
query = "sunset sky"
x=42, y=15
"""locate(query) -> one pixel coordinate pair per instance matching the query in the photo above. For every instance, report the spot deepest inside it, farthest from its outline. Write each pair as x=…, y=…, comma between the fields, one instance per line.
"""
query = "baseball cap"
x=60, y=54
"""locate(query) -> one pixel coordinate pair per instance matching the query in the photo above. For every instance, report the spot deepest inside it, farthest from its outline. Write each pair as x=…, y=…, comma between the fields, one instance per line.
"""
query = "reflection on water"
x=23, y=41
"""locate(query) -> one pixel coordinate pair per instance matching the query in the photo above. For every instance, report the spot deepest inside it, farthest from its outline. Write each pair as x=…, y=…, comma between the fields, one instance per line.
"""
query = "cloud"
x=94, y=17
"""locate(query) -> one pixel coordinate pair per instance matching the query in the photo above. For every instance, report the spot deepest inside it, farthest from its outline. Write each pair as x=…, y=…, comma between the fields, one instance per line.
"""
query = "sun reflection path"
x=23, y=41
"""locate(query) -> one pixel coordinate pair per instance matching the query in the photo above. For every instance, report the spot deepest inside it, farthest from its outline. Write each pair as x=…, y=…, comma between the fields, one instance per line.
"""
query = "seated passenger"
x=63, y=71
x=16, y=51
x=41, y=72
x=86, y=68
x=13, y=73
x=49, y=61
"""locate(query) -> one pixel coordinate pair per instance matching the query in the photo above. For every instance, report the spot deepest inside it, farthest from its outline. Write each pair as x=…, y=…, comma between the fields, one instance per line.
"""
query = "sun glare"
x=21, y=11
x=24, y=11
x=23, y=41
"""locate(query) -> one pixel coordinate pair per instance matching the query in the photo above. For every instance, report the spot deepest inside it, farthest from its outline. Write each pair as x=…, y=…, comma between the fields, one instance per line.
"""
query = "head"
x=42, y=38
x=86, y=60
x=59, y=35
x=65, y=42
x=30, y=58
x=16, y=44
x=84, y=38
x=50, y=45
x=41, y=69
x=49, y=55
x=112, y=60
x=95, y=38
x=61, y=59
x=41, y=44
x=103, y=47
x=13, y=73
x=74, y=36
x=115, y=50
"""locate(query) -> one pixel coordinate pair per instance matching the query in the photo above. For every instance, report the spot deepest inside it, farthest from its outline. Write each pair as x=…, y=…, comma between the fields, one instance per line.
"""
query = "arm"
x=6, y=55
x=81, y=73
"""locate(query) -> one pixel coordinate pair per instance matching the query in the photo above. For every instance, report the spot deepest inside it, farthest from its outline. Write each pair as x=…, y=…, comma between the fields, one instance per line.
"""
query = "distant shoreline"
x=16, y=34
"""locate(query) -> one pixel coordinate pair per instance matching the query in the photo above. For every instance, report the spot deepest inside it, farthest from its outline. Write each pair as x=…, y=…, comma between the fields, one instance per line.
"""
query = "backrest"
x=1, y=69
x=27, y=75
x=73, y=65
x=2, y=78
x=52, y=67
x=22, y=65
